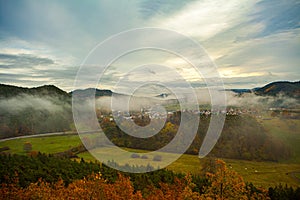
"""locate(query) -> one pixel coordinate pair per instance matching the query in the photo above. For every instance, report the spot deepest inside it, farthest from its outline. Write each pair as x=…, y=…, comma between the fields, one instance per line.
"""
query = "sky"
x=251, y=42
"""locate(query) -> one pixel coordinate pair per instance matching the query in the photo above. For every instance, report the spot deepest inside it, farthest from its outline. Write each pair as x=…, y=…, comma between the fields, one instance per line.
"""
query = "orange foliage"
x=95, y=187
x=224, y=184
x=181, y=189
x=228, y=184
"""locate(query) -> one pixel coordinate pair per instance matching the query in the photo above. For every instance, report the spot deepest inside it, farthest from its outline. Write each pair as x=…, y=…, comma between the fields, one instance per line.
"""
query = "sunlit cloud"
x=204, y=19
x=251, y=42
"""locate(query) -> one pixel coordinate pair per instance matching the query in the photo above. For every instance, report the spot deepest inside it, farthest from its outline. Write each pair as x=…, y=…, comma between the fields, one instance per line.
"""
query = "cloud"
x=248, y=40
x=34, y=70
x=22, y=60
x=204, y=19
x=278, y=16
x=269, y=58
x=22, y=102
x=261, y=102
x=160, y=8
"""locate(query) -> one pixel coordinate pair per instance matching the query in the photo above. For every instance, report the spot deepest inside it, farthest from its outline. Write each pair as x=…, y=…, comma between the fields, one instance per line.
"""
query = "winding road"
x=48, y=134
x=38, y=135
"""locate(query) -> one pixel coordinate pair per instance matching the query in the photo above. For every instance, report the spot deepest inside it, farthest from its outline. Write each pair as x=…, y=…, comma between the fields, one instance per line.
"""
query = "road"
x=39, y=135
x=48, y=134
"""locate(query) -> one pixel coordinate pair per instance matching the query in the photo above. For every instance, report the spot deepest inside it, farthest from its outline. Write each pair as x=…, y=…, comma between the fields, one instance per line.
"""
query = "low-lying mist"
x=32, y=114
x=262, y=102
x=21, y=102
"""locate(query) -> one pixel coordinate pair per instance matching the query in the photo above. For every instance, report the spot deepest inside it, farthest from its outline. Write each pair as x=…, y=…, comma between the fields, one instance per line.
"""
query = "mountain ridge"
x=8, y=91
x=291, y=89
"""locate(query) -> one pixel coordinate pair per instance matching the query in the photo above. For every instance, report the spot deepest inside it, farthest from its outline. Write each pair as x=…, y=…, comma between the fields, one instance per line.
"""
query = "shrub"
x=4, y=148
x=27, y=147
x=157, y=158
x=134, y=155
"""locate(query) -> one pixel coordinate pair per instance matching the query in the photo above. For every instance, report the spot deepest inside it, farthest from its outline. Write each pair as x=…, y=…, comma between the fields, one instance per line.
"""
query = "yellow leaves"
x=169, y=128
x=181, y=189
x=93, y=187
x=224, y=184
x=228, y=184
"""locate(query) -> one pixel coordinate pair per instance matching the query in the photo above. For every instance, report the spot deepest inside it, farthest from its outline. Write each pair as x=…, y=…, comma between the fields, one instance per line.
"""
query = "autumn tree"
x=228, y=184
x=225, y=184
x=180, y=189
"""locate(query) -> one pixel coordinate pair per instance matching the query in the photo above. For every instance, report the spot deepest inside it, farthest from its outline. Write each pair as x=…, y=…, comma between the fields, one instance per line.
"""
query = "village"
x=147, y=113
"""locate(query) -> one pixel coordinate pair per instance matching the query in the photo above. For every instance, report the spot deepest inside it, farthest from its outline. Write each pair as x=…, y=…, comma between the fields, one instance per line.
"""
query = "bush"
x=4, y=148
x=157, y=158
x=27, y=146
x=144, y=157
x=134, y=155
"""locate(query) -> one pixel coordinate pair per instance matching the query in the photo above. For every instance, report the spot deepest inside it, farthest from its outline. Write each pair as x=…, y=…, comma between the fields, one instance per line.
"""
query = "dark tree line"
x=242, y=138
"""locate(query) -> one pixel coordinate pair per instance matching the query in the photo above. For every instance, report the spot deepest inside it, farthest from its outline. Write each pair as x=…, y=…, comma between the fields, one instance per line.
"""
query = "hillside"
x=9, y=91
x=89, y=91
x=291, y=89
x=242, y=138
x=27, y=111
x=44, y=109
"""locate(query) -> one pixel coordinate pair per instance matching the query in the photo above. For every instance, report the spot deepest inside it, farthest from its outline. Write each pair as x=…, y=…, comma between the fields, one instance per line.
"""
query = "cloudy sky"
x=252, y=42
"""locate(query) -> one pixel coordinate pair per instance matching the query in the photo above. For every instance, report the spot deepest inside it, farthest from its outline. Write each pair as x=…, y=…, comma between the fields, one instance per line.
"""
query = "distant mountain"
x=291, y=89
x=27, y=111
x=8, y=91
x=91, y=91
x=240, y=91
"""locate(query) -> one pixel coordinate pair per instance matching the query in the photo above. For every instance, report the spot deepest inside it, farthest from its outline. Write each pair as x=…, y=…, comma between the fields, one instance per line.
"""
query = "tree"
x=228, y=184
x=225, y=184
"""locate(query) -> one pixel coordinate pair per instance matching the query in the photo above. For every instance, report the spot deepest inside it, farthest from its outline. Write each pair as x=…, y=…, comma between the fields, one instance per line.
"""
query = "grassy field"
x=263, y=174
x=49, y=144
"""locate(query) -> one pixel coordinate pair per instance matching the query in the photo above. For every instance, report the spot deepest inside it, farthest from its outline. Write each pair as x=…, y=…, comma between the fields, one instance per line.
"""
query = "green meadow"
x=264, y=174
x=47, y=144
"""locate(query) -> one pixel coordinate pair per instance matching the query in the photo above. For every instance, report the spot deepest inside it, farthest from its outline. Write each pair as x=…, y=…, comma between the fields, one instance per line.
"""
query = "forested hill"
x=291, y=89
x=9, y=91
x=27, y=111
x=44, y=109
x=242, y=137
x=91, y=91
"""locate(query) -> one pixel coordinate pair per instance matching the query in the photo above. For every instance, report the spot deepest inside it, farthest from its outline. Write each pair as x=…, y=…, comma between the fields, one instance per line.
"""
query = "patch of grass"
x=265, y=174
x=297, y=175
x=110, y=154
x=48, y=144
x=261, y=174
x=187, y=164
